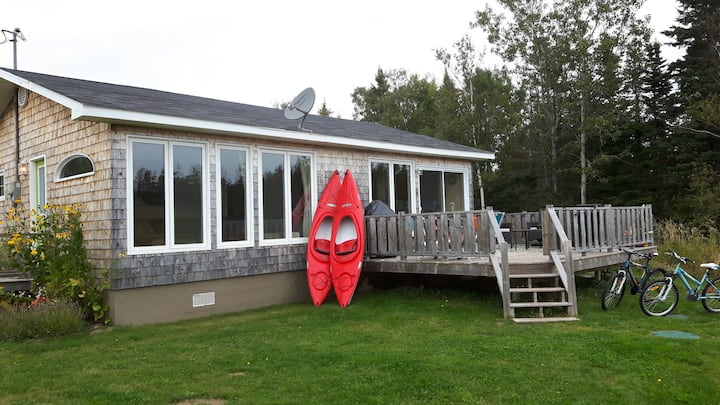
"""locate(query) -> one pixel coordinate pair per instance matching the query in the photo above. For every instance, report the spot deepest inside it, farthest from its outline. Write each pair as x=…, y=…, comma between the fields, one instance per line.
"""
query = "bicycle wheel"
x=651, y=301
x=654, y=275
x=712, y=292
x=613, y=292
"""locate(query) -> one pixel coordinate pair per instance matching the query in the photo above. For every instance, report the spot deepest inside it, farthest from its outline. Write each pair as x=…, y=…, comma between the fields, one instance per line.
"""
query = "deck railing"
x=601, y=227
x=438, y=234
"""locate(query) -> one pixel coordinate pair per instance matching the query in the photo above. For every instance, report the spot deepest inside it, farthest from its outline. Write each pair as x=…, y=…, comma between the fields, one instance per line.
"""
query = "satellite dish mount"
x=300, y=106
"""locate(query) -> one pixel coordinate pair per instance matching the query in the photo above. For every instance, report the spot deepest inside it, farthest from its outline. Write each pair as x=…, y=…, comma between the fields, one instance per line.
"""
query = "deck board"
x=521, y=261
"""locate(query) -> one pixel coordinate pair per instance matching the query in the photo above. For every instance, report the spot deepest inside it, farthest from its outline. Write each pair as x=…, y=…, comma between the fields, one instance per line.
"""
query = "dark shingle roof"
x=142, y=100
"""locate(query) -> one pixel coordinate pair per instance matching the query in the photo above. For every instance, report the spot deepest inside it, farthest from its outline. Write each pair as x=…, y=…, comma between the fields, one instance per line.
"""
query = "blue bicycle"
x=661, y=297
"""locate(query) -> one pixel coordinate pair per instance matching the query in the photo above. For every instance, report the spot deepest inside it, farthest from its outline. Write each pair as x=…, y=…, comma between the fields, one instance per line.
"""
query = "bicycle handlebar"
x=647, y=256
x=680, y=258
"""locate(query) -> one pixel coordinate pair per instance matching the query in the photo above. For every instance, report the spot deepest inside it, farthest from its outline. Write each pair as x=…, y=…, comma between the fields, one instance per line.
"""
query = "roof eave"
x=91, y=113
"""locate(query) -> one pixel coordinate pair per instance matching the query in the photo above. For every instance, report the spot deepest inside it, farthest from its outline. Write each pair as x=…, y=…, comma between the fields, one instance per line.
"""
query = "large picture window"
x=286, y=195
x=442, y=191
x=234, y=205
x=167, y=183
x=391, y=184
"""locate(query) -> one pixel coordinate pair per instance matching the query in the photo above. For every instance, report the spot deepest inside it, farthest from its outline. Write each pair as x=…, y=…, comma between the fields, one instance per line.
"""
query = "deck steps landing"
x=539, y=297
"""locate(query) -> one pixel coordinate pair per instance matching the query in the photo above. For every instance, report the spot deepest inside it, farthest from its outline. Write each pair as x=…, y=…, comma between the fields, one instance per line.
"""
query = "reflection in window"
x=75, y=166
x=148, y=164
x=273, y=174
x=188, y=195
x=167, y=213
x=395, y=190
x=300, y=193
x=233, y=198
x=286, y=195
x=442, y=191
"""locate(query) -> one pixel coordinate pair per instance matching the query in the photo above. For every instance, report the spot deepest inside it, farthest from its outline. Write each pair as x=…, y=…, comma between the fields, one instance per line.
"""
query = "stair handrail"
x=566, y=270
x=501, y=268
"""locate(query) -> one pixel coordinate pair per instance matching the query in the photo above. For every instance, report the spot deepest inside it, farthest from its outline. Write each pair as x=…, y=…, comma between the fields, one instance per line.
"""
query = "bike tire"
x=655, y=275
x=613, y=292
x=712, y=293
x=652, y=306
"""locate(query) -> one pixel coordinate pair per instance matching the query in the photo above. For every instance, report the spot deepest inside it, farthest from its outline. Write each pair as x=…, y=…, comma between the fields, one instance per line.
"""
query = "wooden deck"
x=472, y=243
x=521, y=260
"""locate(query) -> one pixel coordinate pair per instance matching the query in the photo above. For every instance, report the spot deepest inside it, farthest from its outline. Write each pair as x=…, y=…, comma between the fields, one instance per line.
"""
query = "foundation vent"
x=203, y=299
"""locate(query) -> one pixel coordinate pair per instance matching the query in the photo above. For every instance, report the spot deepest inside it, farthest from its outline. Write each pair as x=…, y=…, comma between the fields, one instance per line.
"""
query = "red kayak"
x=348, y=237
x=320, y=242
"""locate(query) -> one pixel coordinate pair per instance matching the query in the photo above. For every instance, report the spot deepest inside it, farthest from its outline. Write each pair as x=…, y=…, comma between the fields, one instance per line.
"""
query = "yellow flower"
x=34, y=252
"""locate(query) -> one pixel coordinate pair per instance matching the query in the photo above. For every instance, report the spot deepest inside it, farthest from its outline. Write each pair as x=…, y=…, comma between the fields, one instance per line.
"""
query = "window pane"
x=41, y=200
x=402, y=188
x=76, y=166
x=232, y=195
x=188, y=194
x=273, y=196
x=454, y=192
x=380, y=179
x=148, y=165
x=2, y=185
x=431, y=191
x=300, y=191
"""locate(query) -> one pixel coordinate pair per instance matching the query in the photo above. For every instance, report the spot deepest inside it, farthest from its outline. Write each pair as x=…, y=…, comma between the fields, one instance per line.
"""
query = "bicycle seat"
x=711, y=266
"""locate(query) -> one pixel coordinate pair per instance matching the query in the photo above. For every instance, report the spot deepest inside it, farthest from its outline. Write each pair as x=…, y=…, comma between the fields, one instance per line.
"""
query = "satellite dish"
x=300, y=106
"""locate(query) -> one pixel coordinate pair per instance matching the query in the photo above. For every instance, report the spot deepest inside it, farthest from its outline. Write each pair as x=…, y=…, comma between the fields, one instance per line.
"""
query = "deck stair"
x=539, y=297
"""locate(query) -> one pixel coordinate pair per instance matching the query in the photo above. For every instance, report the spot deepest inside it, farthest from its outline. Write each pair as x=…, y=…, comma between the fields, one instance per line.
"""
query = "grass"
x=406, y=346
x=44, y=320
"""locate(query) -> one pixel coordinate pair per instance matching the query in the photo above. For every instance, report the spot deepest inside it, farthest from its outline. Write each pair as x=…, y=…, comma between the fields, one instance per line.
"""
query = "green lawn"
x=406, y=346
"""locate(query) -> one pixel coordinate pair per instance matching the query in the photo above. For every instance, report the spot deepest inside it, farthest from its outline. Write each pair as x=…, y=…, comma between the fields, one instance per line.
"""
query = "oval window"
x=75, y=166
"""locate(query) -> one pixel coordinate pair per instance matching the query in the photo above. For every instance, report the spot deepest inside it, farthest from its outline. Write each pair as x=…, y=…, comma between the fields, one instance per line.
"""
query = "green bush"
x=42, y=320
x=48, y=246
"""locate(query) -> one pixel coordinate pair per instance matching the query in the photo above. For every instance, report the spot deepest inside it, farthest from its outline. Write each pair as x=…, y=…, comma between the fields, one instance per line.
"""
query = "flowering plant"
x=48, y=246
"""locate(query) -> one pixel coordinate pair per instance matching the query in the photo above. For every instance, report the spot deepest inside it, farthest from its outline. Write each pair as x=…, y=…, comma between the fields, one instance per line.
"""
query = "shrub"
x=48, y=246
x=43, y=320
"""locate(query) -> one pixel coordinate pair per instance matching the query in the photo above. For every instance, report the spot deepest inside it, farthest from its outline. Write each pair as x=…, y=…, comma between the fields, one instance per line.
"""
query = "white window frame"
x=249, y=217
x=448, y=169
x=391, y=163
x=33, y=168
x=61, y=166
x=169, y=245
x=287, y=204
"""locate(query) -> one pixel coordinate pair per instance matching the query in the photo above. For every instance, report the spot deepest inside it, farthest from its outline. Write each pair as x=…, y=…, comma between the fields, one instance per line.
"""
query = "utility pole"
x=16, y=33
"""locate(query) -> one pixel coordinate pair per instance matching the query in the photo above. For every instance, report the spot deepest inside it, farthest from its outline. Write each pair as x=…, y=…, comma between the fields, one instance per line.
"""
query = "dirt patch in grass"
x=202, y=401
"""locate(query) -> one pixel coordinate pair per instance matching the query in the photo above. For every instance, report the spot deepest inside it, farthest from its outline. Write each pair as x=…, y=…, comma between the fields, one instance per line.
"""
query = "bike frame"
x=686, y=279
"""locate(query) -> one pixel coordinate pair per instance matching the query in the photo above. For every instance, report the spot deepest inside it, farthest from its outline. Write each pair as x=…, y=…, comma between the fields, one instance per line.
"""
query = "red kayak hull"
x=348, y=241
x=320, y=242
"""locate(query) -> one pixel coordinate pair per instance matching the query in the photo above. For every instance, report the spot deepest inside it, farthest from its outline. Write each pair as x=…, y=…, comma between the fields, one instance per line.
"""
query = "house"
x=229, y=231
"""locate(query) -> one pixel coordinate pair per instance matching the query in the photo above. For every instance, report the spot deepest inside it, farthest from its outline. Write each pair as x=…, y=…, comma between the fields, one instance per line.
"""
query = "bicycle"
x=614, y=290
x=661, y=297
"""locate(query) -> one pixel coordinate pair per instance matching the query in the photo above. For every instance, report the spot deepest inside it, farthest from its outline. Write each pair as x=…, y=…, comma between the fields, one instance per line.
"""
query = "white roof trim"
x=43, y=91
x=115, y=115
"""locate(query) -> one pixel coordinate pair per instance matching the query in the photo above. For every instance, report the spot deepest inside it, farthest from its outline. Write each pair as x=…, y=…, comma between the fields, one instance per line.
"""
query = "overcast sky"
x=255, y=52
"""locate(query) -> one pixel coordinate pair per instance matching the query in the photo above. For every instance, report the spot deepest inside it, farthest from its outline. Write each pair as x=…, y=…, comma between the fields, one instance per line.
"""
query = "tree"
x=398, y=100
x=324, y=110
x=567, y=58
x=696, y=126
